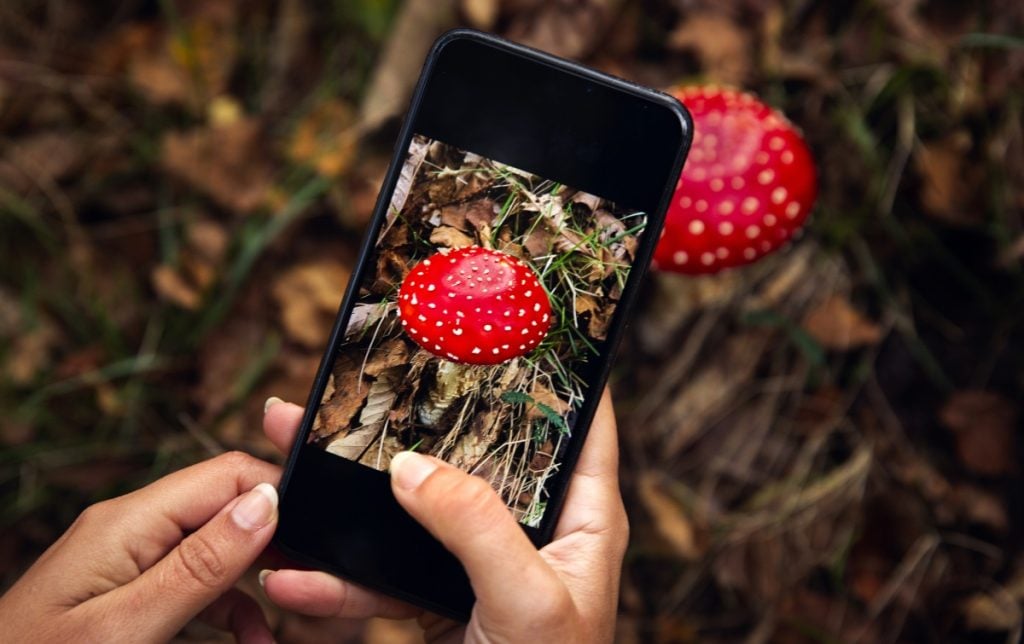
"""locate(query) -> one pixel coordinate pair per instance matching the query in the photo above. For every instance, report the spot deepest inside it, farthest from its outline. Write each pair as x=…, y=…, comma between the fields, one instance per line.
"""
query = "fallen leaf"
x=720, y=45
x=30, y=351
x=948, y=184
x=987, y=612
x=326, y=138
x=340, y=405
x=836, y=325
x=449, y=237
x=983, y=424
x=567, y=29
x=981, y=507
x=541, y=395
x=481, y=14
x=188, y=65
x=670, y=518
x=412, y=33
x=228, y=163
x=308, y=296
x=172, y=287
x=391, y=354
x=40, y=160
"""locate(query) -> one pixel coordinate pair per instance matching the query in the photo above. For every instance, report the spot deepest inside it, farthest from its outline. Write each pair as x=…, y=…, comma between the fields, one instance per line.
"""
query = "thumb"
x=466, y=515
x=203, y=566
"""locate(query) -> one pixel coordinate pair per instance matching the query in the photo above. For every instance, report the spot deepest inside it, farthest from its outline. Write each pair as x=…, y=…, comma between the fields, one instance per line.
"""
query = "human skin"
x=139, y=567
x=565, y=592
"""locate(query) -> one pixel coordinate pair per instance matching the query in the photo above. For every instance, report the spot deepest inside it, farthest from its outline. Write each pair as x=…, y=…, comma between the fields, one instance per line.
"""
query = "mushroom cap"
x=474, y=305
x=748, y=184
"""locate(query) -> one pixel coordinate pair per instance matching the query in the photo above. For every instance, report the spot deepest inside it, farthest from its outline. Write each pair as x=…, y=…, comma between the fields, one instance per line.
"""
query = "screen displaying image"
x=491, y=291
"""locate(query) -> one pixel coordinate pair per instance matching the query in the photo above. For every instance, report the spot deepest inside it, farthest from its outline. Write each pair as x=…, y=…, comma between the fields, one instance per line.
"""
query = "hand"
x=566, y=592
x=126, y=571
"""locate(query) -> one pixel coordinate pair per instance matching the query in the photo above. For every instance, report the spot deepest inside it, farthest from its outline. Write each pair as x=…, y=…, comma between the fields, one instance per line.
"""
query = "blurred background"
x=822, y=447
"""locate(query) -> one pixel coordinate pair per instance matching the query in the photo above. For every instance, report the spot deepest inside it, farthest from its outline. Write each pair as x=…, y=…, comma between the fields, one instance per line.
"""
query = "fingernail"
x=273, y=400
x=257, y=508
x=409, y=469
x=263, y=577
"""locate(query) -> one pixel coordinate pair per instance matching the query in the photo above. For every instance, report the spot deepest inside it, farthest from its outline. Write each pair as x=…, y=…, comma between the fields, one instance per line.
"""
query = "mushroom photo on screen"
x=489, y=292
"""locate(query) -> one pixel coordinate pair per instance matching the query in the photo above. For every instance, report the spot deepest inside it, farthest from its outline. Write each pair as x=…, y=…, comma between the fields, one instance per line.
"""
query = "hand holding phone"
x=566, y=591
x=505, y=252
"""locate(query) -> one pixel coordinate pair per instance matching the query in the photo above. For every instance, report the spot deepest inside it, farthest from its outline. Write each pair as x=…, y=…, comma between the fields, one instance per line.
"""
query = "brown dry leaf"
x=309, y=295
x=836, y=325
x=567, y=29
x=189, y=64
x=326, y=138
x=544, y=396
x=539, y=241
x=208, y=239
x=392, y=353
x=475, y=443
x=600, y=320
x=223, y=358
x=348, y=395
x=947, y=189
x=40, y=159
x=171, y=286
x=481, y=14
x=722, y=47
x=412, y=33
x=450, y=237
x=475, y=214
x=670, y=518
x=585, y=304
x=228, y=163
x=981, y=507
x=992, y=612
x=30, y=351
x=984, y=426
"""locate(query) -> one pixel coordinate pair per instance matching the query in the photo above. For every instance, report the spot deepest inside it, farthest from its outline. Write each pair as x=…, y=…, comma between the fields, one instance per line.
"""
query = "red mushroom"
x=474, y=305
x=746, y=188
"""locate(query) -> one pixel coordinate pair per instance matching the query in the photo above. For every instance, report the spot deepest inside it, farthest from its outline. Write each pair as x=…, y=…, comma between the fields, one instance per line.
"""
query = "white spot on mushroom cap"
x=696, y=227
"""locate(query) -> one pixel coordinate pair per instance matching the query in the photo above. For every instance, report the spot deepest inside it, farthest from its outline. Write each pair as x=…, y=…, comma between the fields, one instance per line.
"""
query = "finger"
x=192, y=496
x=238, y=613
x=319, y=594
x=281, y=422
x=593, y=502
x=201, y=568
x=468, y=517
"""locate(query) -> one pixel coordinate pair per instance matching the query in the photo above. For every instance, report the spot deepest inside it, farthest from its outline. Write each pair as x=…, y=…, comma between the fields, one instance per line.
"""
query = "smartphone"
x=519, y=213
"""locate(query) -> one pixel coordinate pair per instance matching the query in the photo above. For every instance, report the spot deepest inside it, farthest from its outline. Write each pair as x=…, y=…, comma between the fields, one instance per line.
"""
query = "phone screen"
x=488, y=297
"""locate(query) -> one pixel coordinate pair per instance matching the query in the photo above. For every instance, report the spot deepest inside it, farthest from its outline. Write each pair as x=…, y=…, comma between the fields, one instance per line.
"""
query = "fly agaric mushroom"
x=474, y=305
x=746, y=188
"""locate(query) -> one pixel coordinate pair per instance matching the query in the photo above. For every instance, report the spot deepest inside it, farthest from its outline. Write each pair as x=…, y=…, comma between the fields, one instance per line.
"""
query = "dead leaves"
x=949, y=180
x=326, y=139
x=345, y=394
x=308, y=296
x=722, y=47
x=449, y=237
x=836, y=325
x=670, y=519
x=199, y=266
x=228, y=163
x=984, y=425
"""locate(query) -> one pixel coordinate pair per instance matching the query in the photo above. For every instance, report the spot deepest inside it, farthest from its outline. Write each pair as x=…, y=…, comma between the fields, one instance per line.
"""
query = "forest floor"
x=824, y=446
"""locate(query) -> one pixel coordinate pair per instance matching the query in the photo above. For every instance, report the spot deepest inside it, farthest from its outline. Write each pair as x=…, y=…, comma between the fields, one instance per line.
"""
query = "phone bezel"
x=454, y=601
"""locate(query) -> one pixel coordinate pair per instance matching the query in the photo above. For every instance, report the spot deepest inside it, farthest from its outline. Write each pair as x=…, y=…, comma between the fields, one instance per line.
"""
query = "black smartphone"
x=521, y=208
